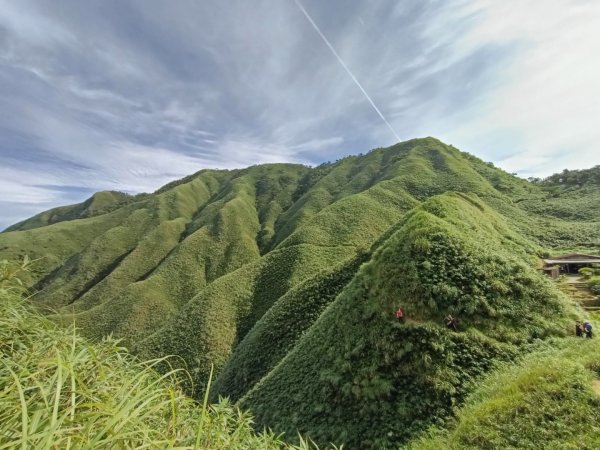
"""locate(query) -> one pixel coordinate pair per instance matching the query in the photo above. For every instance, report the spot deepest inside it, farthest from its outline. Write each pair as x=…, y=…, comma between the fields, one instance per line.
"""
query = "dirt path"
x=573, y=279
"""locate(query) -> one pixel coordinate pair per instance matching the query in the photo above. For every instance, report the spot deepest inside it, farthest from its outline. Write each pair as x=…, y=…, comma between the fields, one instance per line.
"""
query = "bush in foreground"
x=551, y=399
x=59, y=391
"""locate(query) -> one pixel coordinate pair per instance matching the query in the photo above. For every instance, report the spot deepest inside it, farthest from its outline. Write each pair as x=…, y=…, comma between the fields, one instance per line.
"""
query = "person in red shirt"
x=400, y=315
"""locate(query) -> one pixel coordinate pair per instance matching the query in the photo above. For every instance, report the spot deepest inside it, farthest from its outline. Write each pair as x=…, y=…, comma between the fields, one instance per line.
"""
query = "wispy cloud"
x=544, y=107
x=129, y=95
x=346, y=68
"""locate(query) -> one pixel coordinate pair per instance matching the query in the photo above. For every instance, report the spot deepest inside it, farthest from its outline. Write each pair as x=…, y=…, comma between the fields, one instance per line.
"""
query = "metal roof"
x=572, y=261
x=573, y=256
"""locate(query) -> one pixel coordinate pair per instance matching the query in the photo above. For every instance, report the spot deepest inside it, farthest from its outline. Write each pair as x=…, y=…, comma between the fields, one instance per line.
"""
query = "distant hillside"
x=571, y=195
x=285, y=272
x=570, y=178
x=97, y=204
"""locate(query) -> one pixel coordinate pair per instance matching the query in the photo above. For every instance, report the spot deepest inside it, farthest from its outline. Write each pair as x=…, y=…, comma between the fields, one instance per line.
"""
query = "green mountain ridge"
x=378, y=381
x=284, y=279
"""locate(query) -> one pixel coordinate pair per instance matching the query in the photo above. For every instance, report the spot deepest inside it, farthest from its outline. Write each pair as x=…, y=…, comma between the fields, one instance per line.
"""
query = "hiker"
x=451, y=322
x=400, y=315
x=587, y=327
x=578, y=329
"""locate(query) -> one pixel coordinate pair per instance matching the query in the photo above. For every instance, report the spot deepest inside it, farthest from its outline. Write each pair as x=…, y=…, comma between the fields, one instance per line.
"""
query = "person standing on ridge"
x=578, y=329
x=400, y=315
x=451, y=322
x=587, y=327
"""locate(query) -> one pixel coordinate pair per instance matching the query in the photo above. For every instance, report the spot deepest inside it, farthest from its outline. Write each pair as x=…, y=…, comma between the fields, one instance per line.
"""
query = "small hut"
x=568, y=264
x=552, y=271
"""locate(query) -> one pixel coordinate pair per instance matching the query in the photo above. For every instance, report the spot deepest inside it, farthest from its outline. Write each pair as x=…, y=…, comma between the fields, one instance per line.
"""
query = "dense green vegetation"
x=283, y=279
x=571, y=194
x=572, y=178
x=98, y=204
x=276, y=333
x=550, y=399
x=59, y=391
x=360, y=377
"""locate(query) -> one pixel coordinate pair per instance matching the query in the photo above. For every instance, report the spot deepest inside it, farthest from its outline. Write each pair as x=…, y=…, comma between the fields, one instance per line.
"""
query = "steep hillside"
x=362, y=378
x=284, y=279
x=548, y=400
x=280, y=328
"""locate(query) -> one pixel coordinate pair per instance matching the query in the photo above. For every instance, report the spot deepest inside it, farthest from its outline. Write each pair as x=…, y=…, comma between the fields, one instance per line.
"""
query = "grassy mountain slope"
x=60, y=391
x=361, y=378
x=572, y=194
x=98, y=204
x=280, y=328
x=550, y=399
x=255, y=272
x=205, y=331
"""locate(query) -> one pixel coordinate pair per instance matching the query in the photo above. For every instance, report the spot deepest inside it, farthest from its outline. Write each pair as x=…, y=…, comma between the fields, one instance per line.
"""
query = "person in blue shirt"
x=587, y=327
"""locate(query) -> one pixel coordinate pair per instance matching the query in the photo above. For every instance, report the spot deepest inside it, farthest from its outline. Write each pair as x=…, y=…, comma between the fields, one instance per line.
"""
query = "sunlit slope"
x=167, y=246
x=98, y=204
x=326, y=232
x=361, y=378
x=236, y=242
x=550, y=399
x=211, y=234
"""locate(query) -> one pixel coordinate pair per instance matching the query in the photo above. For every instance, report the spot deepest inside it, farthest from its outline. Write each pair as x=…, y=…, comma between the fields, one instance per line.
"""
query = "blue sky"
x=128, y=95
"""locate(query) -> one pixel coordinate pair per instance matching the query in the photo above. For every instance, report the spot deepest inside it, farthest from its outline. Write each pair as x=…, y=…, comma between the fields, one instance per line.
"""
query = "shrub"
x=11, y=274
x=59, y=391
x=586, y=272
x=379, y=382
x=546, y=400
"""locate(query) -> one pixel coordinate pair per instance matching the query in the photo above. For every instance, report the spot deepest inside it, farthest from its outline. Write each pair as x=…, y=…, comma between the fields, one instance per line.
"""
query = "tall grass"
x=59, y=391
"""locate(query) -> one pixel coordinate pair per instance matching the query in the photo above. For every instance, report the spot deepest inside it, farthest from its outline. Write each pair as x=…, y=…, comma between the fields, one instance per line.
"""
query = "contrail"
x=312, y=22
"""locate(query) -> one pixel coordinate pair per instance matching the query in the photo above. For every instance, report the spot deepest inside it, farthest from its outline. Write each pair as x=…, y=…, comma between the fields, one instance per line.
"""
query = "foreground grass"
x=59, y=391
x=551, y=399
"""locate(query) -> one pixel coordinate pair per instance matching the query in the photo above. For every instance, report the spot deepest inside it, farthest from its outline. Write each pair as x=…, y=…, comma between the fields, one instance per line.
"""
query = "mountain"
x=379, y=382
x=285, y=278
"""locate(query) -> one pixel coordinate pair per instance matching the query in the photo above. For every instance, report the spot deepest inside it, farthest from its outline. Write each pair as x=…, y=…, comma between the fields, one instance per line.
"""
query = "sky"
x=130, y=94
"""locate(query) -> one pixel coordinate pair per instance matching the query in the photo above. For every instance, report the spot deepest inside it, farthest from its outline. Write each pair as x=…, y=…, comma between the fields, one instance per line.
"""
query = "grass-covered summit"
x=284, y=278
x=360, y=377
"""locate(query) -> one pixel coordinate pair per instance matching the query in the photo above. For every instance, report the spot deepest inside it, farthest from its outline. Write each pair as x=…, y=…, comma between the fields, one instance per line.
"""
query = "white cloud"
x=118, y=96
x=549, y=96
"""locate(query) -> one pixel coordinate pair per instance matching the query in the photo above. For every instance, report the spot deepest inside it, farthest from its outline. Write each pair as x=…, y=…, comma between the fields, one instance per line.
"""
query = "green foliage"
x=276, y=333
x=254, y=272
x=59, y=391
x=359, y=377
x=574, y=178
x=570, y=195
x=204, y=333
x=550, y=399
x=586, y=272
x=11, y=275
x=594, y=284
